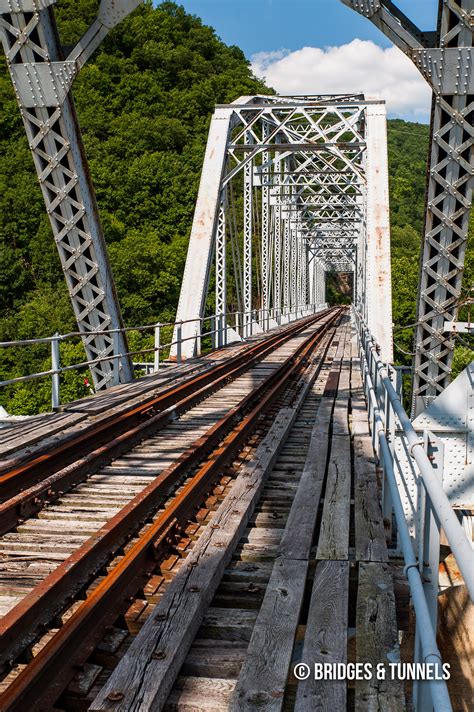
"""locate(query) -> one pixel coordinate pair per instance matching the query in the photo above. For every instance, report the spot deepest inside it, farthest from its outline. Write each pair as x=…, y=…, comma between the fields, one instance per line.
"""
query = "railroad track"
x=292, y=567
x=105, y=519
x=105, y=440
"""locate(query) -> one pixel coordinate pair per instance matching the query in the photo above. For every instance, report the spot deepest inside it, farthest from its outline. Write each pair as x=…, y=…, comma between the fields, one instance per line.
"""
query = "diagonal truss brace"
x=42, y=80
x=315, y=171
x=445, y=59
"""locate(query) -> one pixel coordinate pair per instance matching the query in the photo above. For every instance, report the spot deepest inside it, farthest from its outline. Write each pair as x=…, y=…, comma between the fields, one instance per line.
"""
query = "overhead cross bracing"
x=292, y=187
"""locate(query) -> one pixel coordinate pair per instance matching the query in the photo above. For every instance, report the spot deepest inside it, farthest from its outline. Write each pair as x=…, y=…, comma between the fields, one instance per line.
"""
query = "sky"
x=322, y=46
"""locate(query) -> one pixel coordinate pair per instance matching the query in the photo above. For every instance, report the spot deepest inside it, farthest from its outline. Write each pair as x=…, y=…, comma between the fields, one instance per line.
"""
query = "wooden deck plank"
x=198, y=693
x=333, y=540
x=262, y=680
x=145, y=680
x=377, y=638
x=370, y=544
x=325, y=638
x=24, y=434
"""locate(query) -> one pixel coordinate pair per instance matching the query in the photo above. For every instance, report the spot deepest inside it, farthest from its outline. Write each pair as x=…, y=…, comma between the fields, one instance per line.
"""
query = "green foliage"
x=339, y=287
x=407, y=158
x=144, y=102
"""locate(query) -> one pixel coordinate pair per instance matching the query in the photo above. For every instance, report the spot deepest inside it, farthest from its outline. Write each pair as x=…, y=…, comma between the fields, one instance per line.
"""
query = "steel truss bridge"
x=293, y=188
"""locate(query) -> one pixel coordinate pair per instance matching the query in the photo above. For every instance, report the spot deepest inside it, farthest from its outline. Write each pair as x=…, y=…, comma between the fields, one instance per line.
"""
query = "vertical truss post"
x=265, y=251
x=294, y=264
x=300, y=268
x=286, y=240
x=42, y=80
x=377, y=259
x=321, y=283
x=195, y=282
x=311, y=277
x=248, y=234
x=221, y=274
x=56, y=377
x=445, y=60
x=277, y=262
x=304, y=275
x=359, y=276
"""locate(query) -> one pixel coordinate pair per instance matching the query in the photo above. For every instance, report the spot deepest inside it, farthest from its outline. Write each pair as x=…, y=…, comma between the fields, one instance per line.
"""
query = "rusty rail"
x=43, y=479
x=54, y=665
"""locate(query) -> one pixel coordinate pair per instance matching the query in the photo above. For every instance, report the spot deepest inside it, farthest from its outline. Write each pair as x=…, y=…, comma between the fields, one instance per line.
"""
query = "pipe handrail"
x=453, y=529
x=142, y=327
x=114, y=357
x=454, y=532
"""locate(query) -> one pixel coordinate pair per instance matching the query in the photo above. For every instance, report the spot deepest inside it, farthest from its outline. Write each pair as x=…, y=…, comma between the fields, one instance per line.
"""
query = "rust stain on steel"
x=47, y=675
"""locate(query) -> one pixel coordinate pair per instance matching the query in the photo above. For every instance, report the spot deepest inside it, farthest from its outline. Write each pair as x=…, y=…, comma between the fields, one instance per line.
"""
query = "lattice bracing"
x=445, y=59
x=298, y=169
x=42, y=81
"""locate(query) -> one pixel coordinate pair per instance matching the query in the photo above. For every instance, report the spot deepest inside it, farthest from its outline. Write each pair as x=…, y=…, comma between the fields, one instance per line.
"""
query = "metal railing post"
x=213, y=332
x=387, y=507
x=429, y=537
x=156, y=355
x=116, y=361
x=55, y=366
x=179, y=328
x=200, y=322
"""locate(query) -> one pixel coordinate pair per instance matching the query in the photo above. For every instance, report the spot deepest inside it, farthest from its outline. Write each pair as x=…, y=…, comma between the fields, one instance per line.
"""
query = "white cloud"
x=360, y=65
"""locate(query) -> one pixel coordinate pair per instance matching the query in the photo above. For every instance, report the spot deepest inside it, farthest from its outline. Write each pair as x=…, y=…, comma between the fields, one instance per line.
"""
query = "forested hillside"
x=144, y=103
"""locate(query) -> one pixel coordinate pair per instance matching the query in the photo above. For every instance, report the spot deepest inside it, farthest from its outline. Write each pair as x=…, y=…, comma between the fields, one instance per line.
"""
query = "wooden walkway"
x=293, y=568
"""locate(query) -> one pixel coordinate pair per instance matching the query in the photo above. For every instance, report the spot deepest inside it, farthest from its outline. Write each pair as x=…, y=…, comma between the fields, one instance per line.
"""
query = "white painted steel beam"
x=192, y=298
x=378, y=289
x=309, y=178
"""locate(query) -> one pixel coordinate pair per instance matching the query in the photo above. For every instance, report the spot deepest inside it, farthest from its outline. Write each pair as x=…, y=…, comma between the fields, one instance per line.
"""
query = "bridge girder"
x=42, y=80
x=445, y=59
x=314, y=199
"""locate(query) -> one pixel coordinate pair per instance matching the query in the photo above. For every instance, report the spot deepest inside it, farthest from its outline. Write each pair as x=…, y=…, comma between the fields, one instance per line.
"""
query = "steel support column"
x=378, y=287
x=445, y=59
x=195, y=283
x=42, y=80
x=221, y=275
x=248, y=235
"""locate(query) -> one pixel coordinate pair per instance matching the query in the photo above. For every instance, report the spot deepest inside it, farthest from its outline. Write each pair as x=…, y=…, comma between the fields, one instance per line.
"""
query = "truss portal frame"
x=302, y=183
x=42, y=79
x=445, y=59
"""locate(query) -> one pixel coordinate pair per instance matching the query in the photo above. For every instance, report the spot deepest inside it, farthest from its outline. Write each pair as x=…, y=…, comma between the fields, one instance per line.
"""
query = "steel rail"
x=176, y=467
x=43, y=680
x=172, y=401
